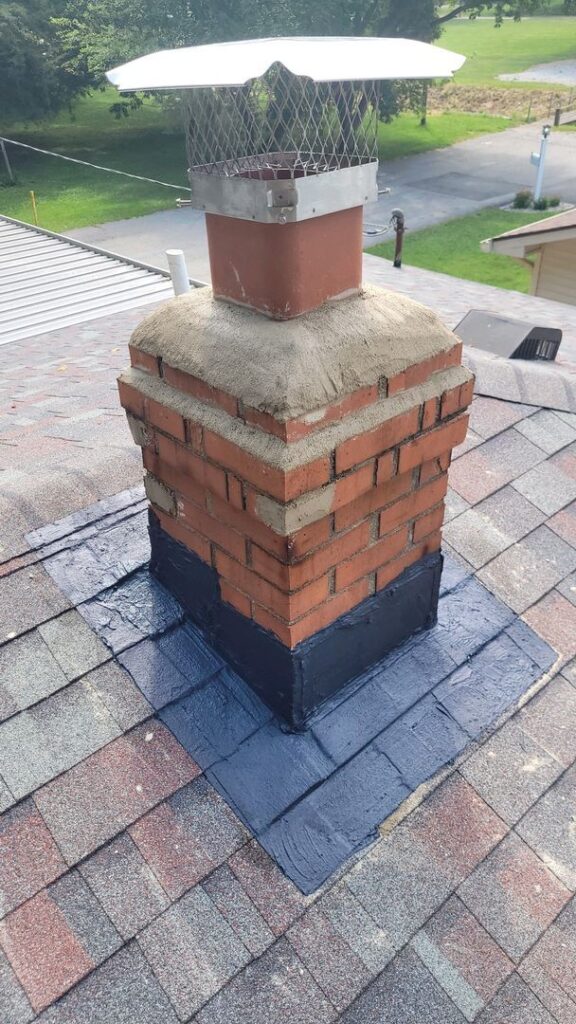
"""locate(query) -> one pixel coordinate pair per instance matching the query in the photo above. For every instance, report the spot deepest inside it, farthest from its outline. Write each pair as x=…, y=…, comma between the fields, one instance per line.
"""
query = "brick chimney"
x=296, y=429
x=296, y=472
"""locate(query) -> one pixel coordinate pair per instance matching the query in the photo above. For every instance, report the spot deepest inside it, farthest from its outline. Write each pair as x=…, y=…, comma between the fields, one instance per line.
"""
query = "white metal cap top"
x=321, y=58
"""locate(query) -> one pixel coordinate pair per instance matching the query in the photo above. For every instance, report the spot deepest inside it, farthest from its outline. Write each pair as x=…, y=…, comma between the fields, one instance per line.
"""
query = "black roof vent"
x=512, y=339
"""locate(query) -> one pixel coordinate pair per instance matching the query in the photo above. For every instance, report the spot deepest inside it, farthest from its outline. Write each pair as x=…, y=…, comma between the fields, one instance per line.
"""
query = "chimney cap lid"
x=321, y=58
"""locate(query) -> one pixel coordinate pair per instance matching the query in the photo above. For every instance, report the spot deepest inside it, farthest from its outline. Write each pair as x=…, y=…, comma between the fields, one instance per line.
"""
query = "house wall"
x=555, y=273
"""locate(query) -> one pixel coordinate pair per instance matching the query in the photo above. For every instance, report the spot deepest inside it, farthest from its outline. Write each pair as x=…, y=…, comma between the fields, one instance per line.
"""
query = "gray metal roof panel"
x=49, y=281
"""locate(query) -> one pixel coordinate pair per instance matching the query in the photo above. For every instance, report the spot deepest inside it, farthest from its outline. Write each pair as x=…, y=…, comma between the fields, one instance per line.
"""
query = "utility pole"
x=539, y=159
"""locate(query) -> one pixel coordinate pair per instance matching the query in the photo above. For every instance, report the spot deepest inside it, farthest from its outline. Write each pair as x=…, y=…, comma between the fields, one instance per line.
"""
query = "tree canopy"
x=52, y=50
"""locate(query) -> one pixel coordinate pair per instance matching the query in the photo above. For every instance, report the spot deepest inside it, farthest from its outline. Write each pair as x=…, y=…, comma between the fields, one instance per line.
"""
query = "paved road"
x=430, y=187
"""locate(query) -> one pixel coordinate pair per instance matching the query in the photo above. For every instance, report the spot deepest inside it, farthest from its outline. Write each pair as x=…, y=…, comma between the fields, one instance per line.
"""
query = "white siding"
x=557, y=273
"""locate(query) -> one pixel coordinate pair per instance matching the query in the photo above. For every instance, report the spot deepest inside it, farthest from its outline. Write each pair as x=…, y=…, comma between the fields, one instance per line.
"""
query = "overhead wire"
x=97, y=167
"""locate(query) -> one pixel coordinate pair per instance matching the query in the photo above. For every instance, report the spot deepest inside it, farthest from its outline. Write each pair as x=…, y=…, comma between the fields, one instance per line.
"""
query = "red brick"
x=234, y=597
x=44, y=953
x=273, y=624
x=386, y=467
x=432, y=444
x=264, y=421
x=289, y=548
x=429, y=413
x=421, y=372
x=429, y=523
x=188, y=466
x=373, y=500
x=287, y=606
x=467, y=393
x=246, y=524
x=196, y=519
x=291, y=577
x=331, y=610
x=131, y=399
x=234, y=492
x=165, y=419
x=456, y=399
x=432, y=469
x=298, y=428
x=189, y=538
x=283, y=485
x=349, y=487
x=308, y=625
x=294, y=430
x=195, y=436
x=413, y=505
x=308, y=538
x=180, y=482
x=191, y=385
x=144, y=361
x=374, y=442
x=393, y=569
x=215, y=480
x=371, y=559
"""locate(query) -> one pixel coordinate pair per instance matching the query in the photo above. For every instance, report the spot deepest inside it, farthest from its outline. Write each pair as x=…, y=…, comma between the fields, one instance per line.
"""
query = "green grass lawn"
x=513, y=47
x=454, y=248
x=69, y=196
x=405, y=135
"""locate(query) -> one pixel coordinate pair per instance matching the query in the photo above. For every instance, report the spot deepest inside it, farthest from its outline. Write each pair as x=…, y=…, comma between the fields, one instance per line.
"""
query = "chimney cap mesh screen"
x=281, y=126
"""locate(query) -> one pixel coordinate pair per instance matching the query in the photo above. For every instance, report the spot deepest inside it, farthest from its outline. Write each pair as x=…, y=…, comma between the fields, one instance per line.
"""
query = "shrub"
x=522, y=200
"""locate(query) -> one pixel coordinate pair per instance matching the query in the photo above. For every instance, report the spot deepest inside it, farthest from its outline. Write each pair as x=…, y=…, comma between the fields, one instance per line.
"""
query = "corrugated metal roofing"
x=49, y=281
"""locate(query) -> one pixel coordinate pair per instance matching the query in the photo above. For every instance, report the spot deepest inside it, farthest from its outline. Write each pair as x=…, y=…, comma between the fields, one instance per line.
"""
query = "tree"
x=52, y=50
x=36, y=80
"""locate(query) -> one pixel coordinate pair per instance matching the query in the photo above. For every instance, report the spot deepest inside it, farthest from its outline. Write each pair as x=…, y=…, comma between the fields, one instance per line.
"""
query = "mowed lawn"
x=513, y=47
x=69, y=196
x=148, y=143
x=454, y=248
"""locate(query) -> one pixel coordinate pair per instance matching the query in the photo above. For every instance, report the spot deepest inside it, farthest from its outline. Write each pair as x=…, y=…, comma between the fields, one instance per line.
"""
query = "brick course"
x=369, y=508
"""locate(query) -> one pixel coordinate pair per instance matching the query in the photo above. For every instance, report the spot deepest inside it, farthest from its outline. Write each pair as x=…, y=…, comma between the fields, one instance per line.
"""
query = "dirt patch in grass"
x=517, y=104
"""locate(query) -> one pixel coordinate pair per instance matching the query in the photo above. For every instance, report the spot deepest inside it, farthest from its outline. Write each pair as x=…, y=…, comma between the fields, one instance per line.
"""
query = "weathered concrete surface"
x=273, y=450
x=290, y=368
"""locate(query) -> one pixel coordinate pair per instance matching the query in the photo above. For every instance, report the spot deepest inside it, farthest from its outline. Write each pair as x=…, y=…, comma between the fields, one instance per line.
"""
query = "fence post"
x=6, y=161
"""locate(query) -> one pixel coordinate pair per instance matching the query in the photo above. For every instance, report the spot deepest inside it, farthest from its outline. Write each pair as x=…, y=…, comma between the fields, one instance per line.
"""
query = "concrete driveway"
x=430, y=187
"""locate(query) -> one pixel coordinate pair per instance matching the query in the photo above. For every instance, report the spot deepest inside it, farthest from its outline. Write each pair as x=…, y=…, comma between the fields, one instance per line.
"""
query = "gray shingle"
x=355, y=925
x=514, y=896
x=242, y=915
x=549, y=431
x=45, y=740
x=274, y=989
x=547, y=487
x=339, y=972
x=405, y=993
x=27, y=598
x=120, y=694
x=548, y=828
x=14, y=1005
x=192, y=951
x=524, y=573
x=511, y=770
x=6, y=798
x=125, y=886
x=28, y=673
x=515, y=1004
x=122, y=991
x=85, y=916
x=493, y=525
x=73, y=644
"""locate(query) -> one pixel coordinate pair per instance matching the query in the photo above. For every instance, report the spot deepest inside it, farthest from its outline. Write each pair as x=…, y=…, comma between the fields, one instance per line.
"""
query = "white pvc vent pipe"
x=178, y=271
